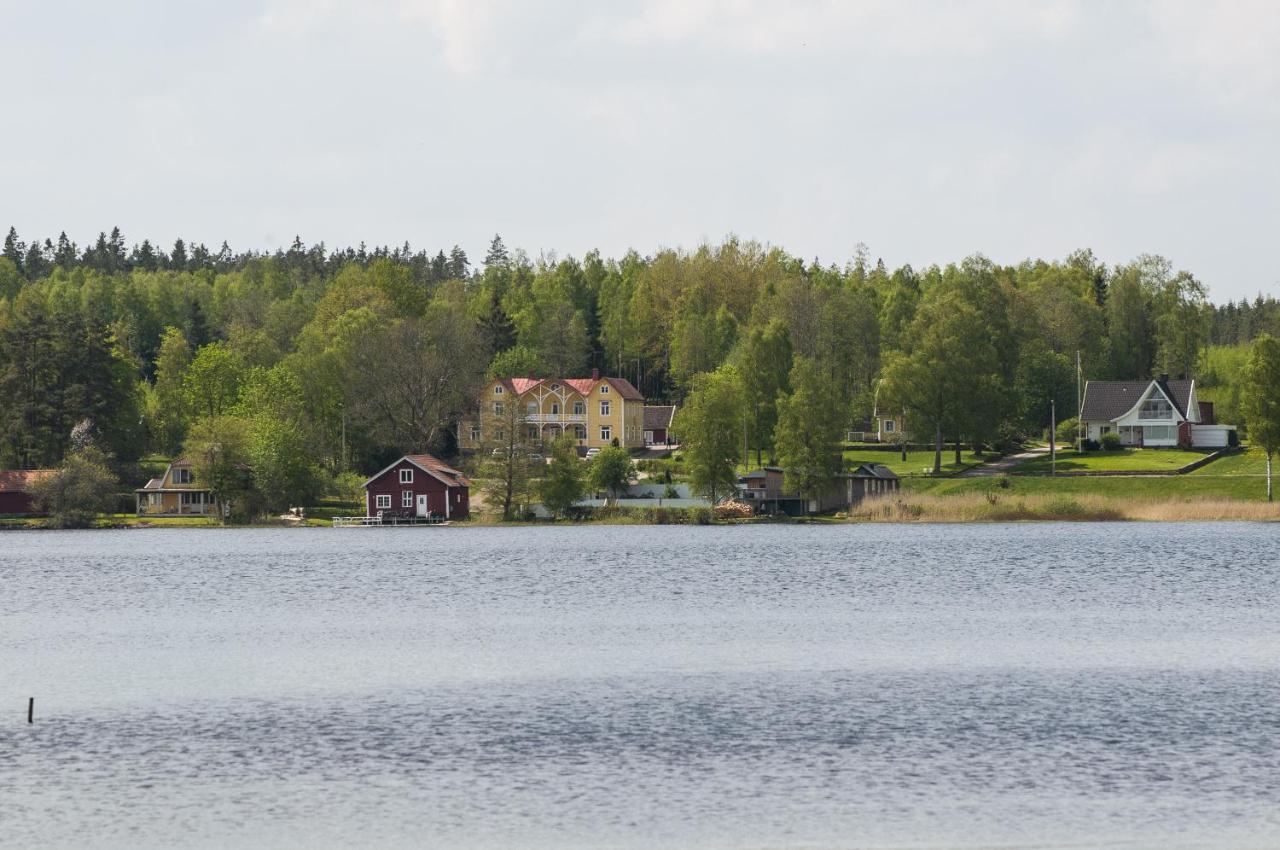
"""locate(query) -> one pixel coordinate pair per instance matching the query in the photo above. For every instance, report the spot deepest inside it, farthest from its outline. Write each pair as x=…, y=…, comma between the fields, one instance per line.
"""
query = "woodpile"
x=731, y=509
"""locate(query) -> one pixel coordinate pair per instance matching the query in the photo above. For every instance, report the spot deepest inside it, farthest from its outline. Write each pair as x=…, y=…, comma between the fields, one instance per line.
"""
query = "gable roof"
x=658, y=416
x=874, y=470
x=582, y=386
x=1107, y=400
x=19, y=480
x=429, y=464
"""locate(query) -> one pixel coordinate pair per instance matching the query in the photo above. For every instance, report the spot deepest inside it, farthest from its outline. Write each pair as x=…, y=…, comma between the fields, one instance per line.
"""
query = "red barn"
x=418, y=486
x=15, y=490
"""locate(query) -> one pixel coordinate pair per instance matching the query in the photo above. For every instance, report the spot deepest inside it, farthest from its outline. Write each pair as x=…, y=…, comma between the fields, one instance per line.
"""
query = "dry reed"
x=1000, y=507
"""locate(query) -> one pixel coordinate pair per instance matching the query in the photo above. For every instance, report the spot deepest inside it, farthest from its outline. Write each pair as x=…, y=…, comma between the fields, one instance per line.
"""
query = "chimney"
x=1164, y=377
x=595, y=374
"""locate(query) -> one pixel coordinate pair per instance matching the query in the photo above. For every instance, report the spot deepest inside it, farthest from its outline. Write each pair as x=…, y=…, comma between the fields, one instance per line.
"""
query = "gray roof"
x=874, y=470
x=1107, y=400
x=658, y=416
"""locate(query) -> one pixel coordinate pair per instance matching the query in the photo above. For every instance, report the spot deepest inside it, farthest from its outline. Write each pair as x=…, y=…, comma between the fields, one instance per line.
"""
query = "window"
x=888, y=426
x=497, y=408
x=580, y=431
x=1156, y=408
x=604, y=389
x=193, y=498
x=384, y=500
x=1157, y=432
x=499, y=434
x=182, y=476
x=497, y=390
x=406, y=498
x=606, y=433
x=406, y=476
x=604, y=408
x=555, y=388
x=532, y=407
x=475, y=433
x=579, y=408
x=533, y=432
x=555, y=409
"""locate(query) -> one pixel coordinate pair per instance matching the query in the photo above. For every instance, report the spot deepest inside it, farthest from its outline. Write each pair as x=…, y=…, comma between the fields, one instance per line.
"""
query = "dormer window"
x=1156, y=408
x=604, y=389
x=406, y=476
x=182, y=476
x=497, y=390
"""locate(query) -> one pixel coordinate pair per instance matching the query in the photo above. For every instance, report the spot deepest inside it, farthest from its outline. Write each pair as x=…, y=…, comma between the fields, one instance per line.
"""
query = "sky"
x=927, y=131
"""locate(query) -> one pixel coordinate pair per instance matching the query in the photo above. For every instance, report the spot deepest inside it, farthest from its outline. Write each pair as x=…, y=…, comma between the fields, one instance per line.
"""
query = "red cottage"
x=418, y=486
x=15, y=490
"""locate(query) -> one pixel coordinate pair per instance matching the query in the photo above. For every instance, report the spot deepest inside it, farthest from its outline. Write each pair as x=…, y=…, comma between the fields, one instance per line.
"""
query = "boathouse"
x=418, y=486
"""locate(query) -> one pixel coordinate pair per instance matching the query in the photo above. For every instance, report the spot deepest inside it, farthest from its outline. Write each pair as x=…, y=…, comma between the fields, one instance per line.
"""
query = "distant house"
x=657, y=424
x=419, y=485
x=883, y=426
x=176, y=493
x=1158, y=412
x=594, y=411
x=764, y=489
x=15, y=490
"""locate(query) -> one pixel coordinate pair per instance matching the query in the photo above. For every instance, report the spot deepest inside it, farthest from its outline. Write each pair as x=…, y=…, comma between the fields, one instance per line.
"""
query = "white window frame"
x=182, y=476
x=531, y=408
x=580, y=432
x=606, y=433
x=604, y=389
x=406, y=498
x=888, y=426
x=606, y=408
x=497, y=390
x=406, y=476
x=382, y=501
x=497, y=408
x=579, y=408
x=475, y=433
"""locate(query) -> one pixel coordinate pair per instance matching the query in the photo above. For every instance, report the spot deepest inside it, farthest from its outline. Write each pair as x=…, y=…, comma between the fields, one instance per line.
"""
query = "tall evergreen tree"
x=497, y=254
x=14, y=249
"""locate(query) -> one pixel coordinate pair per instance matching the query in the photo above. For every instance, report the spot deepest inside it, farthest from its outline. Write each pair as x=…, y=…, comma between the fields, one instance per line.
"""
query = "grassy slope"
x=1182, y=487
x=1250, y=462
x=916, y=462
x=1121, y=460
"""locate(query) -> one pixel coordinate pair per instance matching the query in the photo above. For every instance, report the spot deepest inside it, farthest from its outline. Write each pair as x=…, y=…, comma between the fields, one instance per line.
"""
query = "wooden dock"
x=380, y=521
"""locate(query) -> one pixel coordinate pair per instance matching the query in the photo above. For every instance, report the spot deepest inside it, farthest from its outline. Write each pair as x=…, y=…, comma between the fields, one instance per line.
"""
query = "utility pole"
x=1053, y=446
x=1079, y=403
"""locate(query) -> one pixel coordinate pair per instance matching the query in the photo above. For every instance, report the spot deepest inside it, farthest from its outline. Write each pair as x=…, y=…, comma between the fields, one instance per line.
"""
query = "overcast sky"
x=928, y=131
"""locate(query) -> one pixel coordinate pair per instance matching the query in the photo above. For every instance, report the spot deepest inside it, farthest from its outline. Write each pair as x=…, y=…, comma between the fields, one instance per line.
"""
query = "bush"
x=75, y=494
x=1089, y=445
x=1068, y=430
x=1110, y=441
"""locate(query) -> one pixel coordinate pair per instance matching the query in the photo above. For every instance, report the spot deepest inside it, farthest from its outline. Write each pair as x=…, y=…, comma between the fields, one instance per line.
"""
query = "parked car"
x=592, y=452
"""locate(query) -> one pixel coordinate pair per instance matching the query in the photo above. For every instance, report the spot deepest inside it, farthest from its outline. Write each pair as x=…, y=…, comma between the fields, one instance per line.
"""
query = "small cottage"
x=657, y=424
x=764, y=489
x=176, y=493
x=15, y=490
x=1158, y=412
x=418, y=486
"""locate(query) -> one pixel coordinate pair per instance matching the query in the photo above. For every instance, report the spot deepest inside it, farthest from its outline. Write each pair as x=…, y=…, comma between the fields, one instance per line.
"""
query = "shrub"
x=76, y=493
x=1089, y=445
x=1064, y=507
x=1068, y=430
x=1110, y=441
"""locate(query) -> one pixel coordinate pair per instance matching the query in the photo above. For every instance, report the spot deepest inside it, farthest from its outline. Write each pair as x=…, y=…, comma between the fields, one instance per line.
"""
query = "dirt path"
x=1004, y=464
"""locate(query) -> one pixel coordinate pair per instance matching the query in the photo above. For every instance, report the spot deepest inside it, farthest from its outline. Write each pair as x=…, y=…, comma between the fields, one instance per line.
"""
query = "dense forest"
x=316, y=361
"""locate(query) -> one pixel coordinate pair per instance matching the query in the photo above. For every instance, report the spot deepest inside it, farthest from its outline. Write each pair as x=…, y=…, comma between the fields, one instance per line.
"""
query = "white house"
x=1151, y=413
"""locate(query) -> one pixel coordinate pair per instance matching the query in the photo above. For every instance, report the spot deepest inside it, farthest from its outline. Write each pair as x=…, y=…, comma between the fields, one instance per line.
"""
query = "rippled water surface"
x=839, y=686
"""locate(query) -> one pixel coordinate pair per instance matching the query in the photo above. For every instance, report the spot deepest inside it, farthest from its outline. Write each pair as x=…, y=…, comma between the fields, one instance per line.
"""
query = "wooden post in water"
x=31, y=709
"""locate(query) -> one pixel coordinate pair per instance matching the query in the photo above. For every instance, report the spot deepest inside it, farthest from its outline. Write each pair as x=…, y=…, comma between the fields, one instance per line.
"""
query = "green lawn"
x=1249, y=462
x=1178, y=487
x=1121, y=460
x=917, y=462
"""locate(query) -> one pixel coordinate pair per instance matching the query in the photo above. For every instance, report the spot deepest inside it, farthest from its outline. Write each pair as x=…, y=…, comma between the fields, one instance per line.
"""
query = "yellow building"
x=594, y=411
x=175, y=493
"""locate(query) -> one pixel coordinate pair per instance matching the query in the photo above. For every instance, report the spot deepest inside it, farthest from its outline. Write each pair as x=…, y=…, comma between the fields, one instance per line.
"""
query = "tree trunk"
x=937, y=449
x=957, y=449
x=1269, y=476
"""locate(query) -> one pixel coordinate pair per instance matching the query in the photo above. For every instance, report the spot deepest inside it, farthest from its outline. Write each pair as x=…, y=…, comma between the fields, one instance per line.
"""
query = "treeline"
x=316, y=362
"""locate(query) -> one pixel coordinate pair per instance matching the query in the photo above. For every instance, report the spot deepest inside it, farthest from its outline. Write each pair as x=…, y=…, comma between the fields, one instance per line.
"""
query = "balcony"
x=556, y=418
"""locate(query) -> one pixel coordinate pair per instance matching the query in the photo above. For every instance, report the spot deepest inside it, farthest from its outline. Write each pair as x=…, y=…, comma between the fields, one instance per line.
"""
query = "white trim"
x=434, y=475
x=1146, y=394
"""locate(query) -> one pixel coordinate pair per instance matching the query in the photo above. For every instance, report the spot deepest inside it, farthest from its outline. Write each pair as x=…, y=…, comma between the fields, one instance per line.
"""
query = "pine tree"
x=178, y=259
x=14, y=250
x=117, y=260
x=197, y=329
x=497, y=254
x=65, y=254
x=459, y=265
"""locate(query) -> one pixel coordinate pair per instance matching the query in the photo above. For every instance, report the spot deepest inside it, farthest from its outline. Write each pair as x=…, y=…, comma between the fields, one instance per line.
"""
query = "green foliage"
x=79, y=490
x=212, y=382
x=562, y=486
x=709, y=423
x=809, y=431
x=219, y=450
x=1068, y=431
x=1261, y=397
x=1110, y=442
x=610, y=471
x=348, y=487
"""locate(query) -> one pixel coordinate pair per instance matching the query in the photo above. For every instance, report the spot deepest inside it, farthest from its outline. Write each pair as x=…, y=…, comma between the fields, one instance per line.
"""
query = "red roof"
x=20, y=480
x=431, y=463
x=582, y=386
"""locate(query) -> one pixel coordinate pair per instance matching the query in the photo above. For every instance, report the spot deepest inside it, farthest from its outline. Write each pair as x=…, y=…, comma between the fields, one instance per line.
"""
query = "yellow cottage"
x=594, y=411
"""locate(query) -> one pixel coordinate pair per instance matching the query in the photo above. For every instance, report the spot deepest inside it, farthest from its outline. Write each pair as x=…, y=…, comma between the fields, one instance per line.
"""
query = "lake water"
x=793, y=687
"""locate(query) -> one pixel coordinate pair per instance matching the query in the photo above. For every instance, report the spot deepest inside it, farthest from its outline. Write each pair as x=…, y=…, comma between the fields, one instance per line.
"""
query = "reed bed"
x=1007, y=507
